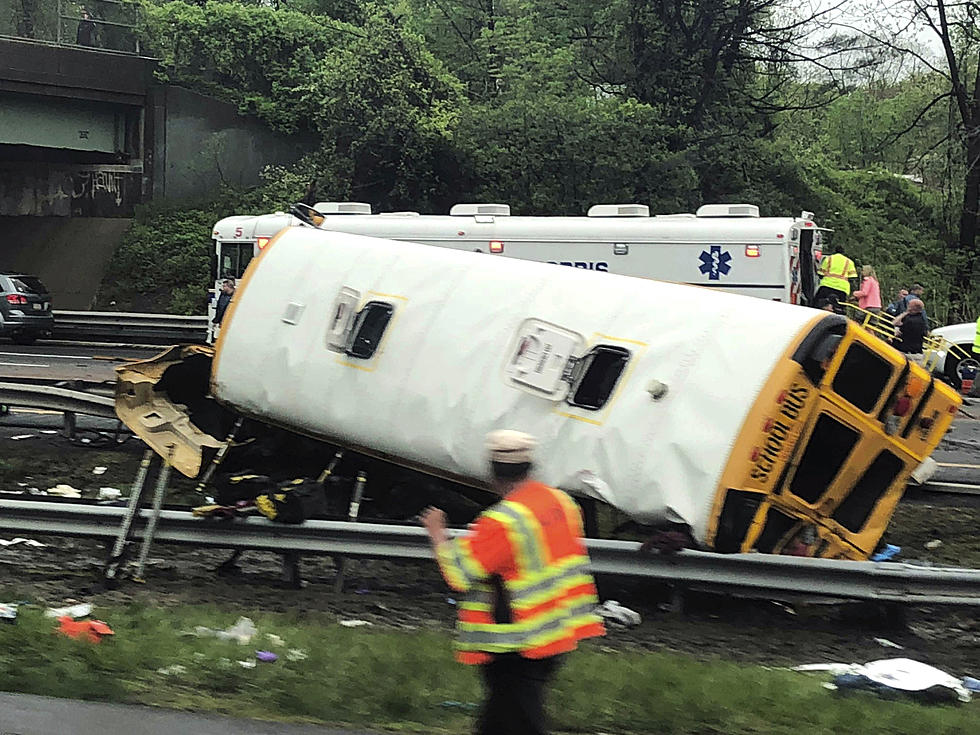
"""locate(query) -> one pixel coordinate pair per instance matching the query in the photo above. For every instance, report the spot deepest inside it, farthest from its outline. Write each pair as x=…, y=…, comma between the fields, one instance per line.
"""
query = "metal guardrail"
x=129, y=327
x=758, y=575
x=50, y=398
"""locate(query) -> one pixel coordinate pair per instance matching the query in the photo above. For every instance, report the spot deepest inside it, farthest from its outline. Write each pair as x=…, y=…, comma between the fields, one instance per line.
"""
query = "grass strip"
x=406, y=680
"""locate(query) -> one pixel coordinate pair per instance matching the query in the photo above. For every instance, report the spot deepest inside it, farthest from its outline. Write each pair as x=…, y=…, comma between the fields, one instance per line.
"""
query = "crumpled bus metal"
x=154, y=417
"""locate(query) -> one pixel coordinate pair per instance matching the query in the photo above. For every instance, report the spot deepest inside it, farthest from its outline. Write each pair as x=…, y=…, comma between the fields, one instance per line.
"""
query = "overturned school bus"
x=757, y=425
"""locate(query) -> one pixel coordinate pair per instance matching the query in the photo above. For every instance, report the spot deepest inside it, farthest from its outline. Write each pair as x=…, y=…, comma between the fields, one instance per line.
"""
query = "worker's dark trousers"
x=515, y=695
x=836, y=295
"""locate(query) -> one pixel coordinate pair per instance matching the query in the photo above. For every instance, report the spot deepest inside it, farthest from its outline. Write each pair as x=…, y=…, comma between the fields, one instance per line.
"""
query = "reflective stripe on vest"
x=551, y=601
x=836, y=273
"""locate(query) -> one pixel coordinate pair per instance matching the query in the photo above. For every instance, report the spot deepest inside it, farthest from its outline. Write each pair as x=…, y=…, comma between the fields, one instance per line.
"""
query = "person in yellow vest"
x=976, y=341
x=528, y=594
x=835, y=271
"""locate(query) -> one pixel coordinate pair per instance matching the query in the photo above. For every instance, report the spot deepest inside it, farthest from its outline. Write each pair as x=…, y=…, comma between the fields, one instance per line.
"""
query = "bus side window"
x=369, y=327
x=229, y=260
x=596, y=375
x=245, y=253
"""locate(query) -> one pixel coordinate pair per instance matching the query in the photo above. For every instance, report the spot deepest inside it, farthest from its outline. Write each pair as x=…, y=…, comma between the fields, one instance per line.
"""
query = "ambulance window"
x=862, y=377
x=369, y=328
x=598, y=372
x=827, y=450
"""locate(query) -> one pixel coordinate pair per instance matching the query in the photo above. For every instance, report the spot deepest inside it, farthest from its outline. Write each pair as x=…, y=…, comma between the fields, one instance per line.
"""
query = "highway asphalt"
x=57, y=361
x=27, y=714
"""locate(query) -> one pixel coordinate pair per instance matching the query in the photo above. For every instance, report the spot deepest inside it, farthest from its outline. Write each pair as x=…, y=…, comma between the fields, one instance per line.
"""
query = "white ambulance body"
x=724, y=246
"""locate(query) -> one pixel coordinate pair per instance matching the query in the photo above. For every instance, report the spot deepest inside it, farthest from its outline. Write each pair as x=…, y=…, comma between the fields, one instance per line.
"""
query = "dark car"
x=25, y=308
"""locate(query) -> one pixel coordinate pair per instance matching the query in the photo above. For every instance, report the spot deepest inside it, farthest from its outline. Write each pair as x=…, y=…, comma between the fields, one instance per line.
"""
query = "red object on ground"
x=90, y=630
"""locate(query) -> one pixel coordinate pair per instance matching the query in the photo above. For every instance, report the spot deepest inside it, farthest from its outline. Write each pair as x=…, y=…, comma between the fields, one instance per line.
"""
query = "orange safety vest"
x=836, y=269
x=527, y=549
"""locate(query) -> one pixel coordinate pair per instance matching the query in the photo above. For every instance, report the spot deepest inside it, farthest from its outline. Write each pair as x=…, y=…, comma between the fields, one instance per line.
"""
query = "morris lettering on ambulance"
x=790, y=409
x=591, y=265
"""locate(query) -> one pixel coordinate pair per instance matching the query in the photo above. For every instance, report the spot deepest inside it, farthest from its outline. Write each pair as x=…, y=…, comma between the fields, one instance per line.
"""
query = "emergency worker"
x=529, y=595
x=835, y=271
x=976, y=341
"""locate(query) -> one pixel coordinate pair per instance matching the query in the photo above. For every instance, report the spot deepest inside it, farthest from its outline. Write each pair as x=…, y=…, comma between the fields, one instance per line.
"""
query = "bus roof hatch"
x=619, y=210
x=342, y=208
x=728, y=210
x=472, y=210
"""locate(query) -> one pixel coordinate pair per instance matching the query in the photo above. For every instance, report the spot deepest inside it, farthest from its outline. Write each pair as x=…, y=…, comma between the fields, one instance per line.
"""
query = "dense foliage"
x=551, y=106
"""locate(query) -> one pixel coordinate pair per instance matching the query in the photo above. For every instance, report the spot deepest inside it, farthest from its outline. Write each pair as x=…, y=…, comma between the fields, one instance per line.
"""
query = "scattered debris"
x=266, y=656
x=274, y=639
x=8, y=612
x=49, y=431
x=242, y=631
x=109, y=493
x=25, y=541
x=354, y=623
x=893, y=677
x=889, y=552
x=614, y=613
x=296, y=654
x=99, y=470
x=64, y=491
x=934, y=544
x=172, y=670
x=463, y=706
x=79, y=610
x=91, y=630
x=888, y=644
x=247, y=664
x=21, y=436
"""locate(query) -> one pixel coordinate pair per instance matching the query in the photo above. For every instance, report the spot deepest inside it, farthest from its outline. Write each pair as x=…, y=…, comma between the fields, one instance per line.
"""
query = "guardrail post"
x=69, y=424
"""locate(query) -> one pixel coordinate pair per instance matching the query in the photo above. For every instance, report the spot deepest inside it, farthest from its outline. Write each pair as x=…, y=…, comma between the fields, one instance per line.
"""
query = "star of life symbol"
x=715, y=263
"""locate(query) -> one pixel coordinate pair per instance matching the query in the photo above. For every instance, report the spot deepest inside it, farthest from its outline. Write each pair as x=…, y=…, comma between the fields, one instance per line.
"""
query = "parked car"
x=961, y=335
x=25, y=308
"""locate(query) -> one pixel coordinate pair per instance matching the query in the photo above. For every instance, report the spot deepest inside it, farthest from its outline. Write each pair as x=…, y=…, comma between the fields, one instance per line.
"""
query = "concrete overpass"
x=86, y=135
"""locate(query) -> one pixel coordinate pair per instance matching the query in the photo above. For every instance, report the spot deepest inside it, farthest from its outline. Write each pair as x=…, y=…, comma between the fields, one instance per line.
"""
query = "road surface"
x=53, y=362
x=27, y=714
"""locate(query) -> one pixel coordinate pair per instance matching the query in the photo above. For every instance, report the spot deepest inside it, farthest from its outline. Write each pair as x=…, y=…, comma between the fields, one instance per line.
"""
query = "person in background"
x=897, y=306
x=911, y=329
x=869, y=295
x=85, y=35
x=835, y=273
x=224, y=298
x=916, y=292
x=825, y=305
x=529, y=595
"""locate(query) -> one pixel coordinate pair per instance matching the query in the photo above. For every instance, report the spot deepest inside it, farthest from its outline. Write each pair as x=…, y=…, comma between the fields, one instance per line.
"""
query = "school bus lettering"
x=791, y=406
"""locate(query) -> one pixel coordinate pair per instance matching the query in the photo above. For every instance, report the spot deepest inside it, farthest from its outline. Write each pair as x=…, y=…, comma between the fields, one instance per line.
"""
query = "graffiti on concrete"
x=72, y=191
x=99, y=184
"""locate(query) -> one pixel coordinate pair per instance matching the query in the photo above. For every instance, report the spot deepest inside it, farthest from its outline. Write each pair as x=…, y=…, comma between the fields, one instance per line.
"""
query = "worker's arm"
x=470, y=558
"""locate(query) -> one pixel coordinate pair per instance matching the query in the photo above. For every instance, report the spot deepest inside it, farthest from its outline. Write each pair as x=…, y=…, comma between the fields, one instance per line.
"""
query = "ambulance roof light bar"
x=728, y=210
x=619, y=210
x=342, y=207
x=473, y=210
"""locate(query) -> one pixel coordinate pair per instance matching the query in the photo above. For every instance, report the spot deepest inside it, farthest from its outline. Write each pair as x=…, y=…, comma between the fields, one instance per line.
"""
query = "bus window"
x=827, y=450
x=862, y=377
x=598, y=371
x=736, y=518
x=854, y=510
x=819, y=346
x=369, y=328
x=234, y=259
x=777, y=526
